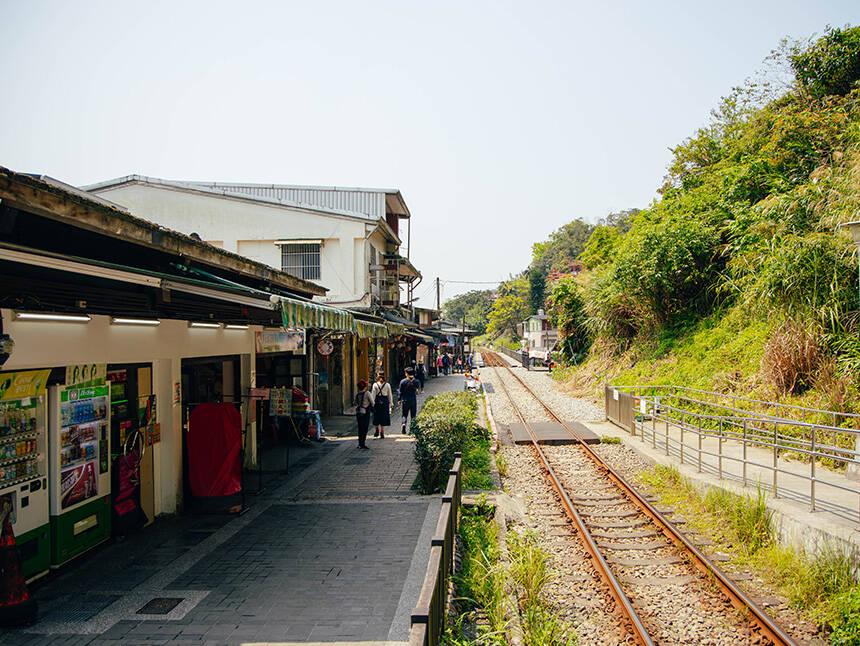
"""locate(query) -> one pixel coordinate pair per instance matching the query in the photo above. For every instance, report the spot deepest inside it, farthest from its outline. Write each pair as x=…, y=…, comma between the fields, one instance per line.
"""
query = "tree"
x=510, y=308
x=557, y=254
x=830, y=65
x=474, y=306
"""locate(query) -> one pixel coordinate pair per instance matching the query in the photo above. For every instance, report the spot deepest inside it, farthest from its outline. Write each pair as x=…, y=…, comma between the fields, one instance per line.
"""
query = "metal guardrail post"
x=682, y=438
x=700, y=446
x=812, y=472
x=720, y=452
x=654, y=425
x=667, y=436
x=745, y=454
x=775, y=456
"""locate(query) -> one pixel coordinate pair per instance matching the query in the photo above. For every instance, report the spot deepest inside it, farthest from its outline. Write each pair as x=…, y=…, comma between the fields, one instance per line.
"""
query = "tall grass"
x=748, y=517
x=824, y=582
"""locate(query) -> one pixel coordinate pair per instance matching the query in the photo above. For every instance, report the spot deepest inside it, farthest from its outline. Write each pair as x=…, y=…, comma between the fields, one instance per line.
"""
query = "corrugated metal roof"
x=367, y=202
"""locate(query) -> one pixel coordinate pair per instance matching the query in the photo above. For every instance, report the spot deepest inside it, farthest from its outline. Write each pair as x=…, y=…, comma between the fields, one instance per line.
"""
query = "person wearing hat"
x=363, y=406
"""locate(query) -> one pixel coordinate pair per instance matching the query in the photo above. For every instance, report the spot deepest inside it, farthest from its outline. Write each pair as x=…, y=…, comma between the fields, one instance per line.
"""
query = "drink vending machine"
x=23, y=477
x=80, y=477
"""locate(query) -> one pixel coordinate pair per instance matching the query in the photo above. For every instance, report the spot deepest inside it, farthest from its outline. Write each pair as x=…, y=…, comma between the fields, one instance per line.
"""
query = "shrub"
x=843, y=616
x=567, y=313
x=830, y=65
x=747, y=516
x=440, y=430
x=791, y=358
x=812, y=275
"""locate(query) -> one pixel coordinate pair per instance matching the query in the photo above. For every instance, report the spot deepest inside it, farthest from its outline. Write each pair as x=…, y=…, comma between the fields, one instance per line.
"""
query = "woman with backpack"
x=363, y=406
x=382, y=403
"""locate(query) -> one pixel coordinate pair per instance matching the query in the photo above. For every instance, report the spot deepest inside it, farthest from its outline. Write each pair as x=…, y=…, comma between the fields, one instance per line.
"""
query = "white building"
x=345, y=239
x=540, y=336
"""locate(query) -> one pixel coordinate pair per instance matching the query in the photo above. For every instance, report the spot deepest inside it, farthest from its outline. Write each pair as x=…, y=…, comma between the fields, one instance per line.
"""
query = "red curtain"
x=214, y=443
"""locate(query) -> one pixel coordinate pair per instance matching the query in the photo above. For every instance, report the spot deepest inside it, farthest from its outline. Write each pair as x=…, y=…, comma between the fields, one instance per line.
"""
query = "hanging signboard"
x=85, y=375
x=17, y=385
x=280, y=341
x=325, y=347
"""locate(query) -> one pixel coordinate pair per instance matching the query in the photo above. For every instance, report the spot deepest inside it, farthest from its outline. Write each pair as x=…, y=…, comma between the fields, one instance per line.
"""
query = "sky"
x=498, y=121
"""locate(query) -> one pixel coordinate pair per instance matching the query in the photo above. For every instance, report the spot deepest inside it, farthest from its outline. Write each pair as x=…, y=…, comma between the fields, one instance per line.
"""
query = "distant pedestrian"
x=408, y=397
x=470, y=362
x=446, y=362
x=363, y=407
x=382, y=403
x=460, y=364
x=421, y=375
x=440, y=366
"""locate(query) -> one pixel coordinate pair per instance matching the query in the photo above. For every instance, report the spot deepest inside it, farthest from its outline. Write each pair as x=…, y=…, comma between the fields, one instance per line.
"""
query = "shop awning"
x=370, y=330
x=297, y=313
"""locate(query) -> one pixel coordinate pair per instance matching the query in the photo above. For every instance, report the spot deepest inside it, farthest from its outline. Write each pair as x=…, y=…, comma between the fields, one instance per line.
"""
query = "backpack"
x=359, y=402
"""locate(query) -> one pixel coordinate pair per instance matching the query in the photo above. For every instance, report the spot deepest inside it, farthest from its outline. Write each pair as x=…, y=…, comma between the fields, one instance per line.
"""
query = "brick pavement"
x=333, y=553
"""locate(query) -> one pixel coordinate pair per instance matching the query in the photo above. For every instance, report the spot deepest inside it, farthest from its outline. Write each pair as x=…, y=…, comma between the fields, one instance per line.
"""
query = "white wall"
x=44, y=344
x=251, y=229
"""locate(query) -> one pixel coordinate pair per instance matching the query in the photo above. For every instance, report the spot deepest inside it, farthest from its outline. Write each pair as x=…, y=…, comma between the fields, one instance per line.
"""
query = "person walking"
x=421, y=375
x=440, y=365
x=382, y=403
x=408, y=390
x=363, y=406
x=460, y=364
x=470, y=362
x=446, y=361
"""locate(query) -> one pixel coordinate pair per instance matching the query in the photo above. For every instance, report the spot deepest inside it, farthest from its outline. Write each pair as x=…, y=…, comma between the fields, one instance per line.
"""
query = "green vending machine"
x=23, y=465
x=79, y=470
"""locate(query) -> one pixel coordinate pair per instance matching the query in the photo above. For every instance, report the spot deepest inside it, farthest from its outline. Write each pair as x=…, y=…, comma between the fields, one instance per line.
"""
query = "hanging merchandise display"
x=23, y=467
x=80, y=469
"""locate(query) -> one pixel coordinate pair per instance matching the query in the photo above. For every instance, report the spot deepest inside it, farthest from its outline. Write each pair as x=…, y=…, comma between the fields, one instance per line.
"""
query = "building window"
x=301, y=259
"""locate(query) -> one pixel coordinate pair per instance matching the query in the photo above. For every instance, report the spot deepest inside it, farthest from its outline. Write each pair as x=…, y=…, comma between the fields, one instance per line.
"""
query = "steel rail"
x=629, y=612
x=736, y=596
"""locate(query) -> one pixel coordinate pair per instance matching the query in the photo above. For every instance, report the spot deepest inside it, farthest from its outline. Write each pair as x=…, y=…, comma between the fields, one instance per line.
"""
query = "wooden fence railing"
x=428, y=618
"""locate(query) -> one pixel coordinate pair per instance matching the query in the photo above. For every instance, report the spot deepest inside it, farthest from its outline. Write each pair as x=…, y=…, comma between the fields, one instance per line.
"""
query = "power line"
x=473, y=282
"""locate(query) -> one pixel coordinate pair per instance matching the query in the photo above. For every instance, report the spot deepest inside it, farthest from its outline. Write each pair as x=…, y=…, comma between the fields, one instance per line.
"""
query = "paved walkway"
x=333, y=553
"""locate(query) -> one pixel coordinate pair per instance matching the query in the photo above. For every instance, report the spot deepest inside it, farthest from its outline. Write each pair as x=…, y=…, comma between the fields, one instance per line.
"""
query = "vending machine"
x=23, y=472
x=80, y=477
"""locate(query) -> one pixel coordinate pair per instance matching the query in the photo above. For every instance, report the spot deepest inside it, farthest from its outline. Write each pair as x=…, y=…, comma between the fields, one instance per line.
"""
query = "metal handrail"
x=750, y=430
x=735, y=398
x=428, y=617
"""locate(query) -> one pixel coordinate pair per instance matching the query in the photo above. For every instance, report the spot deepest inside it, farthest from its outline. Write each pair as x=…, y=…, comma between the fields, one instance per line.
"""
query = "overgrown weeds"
x=824, y=582
x=791, y=357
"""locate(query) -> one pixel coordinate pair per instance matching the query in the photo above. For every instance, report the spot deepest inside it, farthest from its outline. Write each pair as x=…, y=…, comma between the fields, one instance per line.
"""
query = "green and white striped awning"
x=370, y=330
x=305, y=314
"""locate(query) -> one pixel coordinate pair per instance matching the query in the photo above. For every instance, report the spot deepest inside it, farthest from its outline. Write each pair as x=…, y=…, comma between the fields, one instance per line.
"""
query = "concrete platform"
x=553, y=433
x=333, y=552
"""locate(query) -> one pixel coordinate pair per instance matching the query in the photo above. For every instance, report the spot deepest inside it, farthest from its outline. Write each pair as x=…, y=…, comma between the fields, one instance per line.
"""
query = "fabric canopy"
x=370, y=330
x=305, y=314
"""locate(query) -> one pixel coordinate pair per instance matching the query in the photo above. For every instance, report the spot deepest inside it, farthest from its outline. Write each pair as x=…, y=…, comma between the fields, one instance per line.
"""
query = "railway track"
x=633, y=546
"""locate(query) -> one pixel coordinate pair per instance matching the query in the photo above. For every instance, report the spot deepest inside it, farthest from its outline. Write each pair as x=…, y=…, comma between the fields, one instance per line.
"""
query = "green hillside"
x=739, y=278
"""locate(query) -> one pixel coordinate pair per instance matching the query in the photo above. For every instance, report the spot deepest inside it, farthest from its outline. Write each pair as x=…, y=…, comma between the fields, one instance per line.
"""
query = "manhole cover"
x=160, y=606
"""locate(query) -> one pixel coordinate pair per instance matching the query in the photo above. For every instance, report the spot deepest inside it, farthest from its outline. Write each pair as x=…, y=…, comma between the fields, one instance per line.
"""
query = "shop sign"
x=117, y=375
x=17, y=385
x=280, y=341
x=84, y=375
x=259, y=393
x=325, y=347
x=280, y=401
x=74, y=394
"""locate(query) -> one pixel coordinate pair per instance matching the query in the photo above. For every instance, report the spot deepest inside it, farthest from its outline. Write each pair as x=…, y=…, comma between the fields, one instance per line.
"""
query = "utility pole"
x=438, y=309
